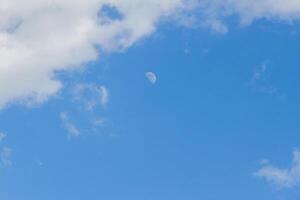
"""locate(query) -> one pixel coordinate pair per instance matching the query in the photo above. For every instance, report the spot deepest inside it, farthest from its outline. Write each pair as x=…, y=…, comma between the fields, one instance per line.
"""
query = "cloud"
x=40, y=163
x=5, y=153
x=98, y=122
x=250, y=10
x=213, y=12
x=152, y=78
x=89, y=101
x=104, y=95
x=70, y=127
x=89, y=96
x=261, y=81
x=5, y=156
x=282, y=177
x=41, y=37
x=2, y=136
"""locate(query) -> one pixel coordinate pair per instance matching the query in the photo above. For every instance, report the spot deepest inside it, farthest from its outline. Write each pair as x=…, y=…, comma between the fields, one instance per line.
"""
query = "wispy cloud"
x=88, y=100
x=214, y=12
x=261, y=81
x=2, y=136
x=5, y=156
x=89, y=96
x=282, y=177
x=5, y=152
x=104, y=95
x=72, y=130
x=98, y=122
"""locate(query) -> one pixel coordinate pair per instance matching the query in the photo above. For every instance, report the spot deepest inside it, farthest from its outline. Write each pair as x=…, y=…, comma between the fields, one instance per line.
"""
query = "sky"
x=149, y=100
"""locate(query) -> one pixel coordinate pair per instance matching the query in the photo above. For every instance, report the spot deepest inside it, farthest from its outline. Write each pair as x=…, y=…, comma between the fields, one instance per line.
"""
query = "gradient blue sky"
x=221, y=122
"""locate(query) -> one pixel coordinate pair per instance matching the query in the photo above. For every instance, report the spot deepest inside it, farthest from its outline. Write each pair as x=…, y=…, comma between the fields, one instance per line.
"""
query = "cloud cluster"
x=288, y=177
x=88, y=100
x=41, y=37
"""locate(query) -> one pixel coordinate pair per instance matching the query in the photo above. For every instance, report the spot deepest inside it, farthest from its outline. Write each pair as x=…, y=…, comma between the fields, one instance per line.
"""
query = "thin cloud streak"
x=282, y=177
x=72, y=130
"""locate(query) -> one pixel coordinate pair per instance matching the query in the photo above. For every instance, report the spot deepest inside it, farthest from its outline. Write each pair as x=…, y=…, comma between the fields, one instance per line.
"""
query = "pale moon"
x=152, y=78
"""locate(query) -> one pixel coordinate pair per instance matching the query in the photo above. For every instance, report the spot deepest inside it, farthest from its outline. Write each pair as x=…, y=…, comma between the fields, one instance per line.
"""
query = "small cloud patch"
x=2, y=136
x=69, y=126
x=5, y=156
x=104, y=95
x=282, y=177
x=90, y=96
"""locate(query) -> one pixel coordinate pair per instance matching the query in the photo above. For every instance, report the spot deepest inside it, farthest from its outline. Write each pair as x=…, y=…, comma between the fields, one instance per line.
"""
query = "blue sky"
x=219, y=122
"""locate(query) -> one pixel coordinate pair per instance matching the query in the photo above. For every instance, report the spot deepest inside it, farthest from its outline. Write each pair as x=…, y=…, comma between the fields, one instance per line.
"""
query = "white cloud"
x=282, y=177
x=152, y=78
x=104, y=95
x=41, y=37
x=2, y=136
x=90, y=95
x=5, y=156
x=70, y=127
x=5, y=153
x=89, y=99
x=270, y=9
x=214, y=11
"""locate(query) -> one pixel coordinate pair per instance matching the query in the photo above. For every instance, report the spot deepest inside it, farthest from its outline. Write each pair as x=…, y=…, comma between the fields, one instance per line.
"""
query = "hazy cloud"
x=2, y=136
x=213, y=12
x=104, y=95
x=69, y=126
x=282, y=177
x=5, y=156
x=89, y=96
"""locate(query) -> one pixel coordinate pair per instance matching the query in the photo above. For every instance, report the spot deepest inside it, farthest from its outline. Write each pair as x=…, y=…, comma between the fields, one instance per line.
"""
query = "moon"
x=151, y=76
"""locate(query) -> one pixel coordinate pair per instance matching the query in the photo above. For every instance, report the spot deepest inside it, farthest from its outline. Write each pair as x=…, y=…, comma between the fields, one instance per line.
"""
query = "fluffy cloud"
x=41, y=37
x=282, y=177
